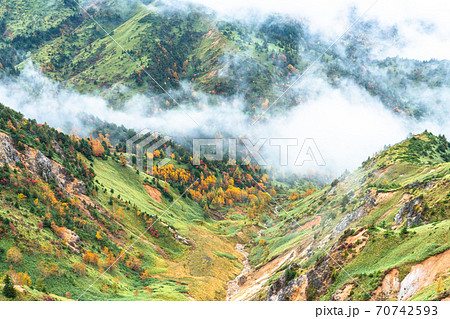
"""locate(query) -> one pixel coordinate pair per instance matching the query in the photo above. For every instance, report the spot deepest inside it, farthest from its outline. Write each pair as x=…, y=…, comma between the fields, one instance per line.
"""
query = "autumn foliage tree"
x=90, y=258
x=123, y=160
x=79, y=268
x=97, y=147
x=133, y=263
x=145, y=275
x=19, y=278
x=13, y=255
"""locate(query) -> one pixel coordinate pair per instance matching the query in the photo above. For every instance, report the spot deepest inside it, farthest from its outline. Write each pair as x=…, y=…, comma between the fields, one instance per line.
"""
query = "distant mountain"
x=156, y=47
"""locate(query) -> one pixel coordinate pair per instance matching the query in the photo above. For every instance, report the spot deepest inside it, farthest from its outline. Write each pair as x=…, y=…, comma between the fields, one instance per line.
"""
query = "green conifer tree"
x=8, y=290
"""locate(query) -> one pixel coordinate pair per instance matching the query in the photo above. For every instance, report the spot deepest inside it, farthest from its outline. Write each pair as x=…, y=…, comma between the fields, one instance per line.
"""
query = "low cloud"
x=347, y=124
x=423, y=27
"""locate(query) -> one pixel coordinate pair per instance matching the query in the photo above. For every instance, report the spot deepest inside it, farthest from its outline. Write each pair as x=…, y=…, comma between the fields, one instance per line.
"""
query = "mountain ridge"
x=179, y=47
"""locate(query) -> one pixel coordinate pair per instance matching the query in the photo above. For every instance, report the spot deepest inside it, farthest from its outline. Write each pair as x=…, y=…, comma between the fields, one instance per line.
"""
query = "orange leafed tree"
x=123, y=160
x=97, y=147
x=13, y=255
x=145, y=275
x=90, y=257
x=79, y=268
x=133, y=263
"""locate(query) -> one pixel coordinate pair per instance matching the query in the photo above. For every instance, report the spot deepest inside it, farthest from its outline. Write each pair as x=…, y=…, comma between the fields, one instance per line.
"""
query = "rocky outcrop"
x=242, y=280
x=423, y=185
x=40, y=165
x=69, y=237
x=306, y=287
x=8, y=154
x=316, y=281
x=411, y=211
x=183, y=240
x=177, y=236
x=343, y=294
x=349, y=218
x=48, y=169
x=357, y=214
x=283, y=288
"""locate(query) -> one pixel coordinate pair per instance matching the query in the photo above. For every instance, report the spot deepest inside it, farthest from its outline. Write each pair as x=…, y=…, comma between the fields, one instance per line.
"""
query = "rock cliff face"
x=314, y=283
x=283, y=287
x=411, y=211
x=306, y=287
x=424, y=274
x=8, y=154
x=70, y=237
x=390, y=286
x=39, y=165
x=357, y=214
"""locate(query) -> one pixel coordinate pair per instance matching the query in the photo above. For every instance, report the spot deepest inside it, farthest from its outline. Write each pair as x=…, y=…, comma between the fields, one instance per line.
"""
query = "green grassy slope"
x=66, y=216
x=187, y=45
x=176, y=271
x=415, y=171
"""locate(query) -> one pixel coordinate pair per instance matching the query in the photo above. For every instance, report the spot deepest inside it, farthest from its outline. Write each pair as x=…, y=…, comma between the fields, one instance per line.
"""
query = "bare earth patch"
x=154, y=193
x=310, y=224
x=424, y=274
x=258, y=278
x=343, y=294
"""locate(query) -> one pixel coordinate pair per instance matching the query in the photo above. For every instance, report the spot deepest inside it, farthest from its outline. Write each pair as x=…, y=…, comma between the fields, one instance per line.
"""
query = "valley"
x=89, y=211
x=77, y=213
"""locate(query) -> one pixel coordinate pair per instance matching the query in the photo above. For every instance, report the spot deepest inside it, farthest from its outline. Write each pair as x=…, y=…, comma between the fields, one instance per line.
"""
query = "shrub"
x=8, y=290
x=133, y=263
x=290, y=274
x=13, y=255
x=20, y=278
x=46, y=270
x=404, y=230
x=90, y=257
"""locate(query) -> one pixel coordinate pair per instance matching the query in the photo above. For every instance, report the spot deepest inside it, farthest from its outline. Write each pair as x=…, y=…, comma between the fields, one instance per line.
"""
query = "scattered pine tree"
x=8, y=290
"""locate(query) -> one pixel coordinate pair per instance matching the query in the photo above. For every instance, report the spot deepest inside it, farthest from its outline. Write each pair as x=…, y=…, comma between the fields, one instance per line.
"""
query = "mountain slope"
x=72, y=210
x=68, y=215
x=365, y=235
x=185, y=49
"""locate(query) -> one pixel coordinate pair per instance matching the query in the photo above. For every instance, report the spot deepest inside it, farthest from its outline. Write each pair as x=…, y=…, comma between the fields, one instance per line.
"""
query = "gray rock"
x=282, y=289
x=7, y=152
x=43, y=166
x=355, y=215
x=409, y=211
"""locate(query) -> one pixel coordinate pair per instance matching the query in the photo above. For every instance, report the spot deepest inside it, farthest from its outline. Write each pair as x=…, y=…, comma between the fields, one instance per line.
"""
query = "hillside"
x=381, y=232
x=82, y=219
x=154, y=47
x=71, y=209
